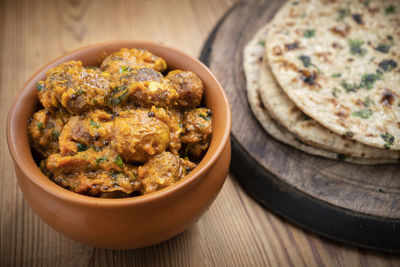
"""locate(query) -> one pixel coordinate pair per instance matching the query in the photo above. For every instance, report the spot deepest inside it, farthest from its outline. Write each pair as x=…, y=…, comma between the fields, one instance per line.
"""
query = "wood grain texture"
x=235, y=231
x=362, y=200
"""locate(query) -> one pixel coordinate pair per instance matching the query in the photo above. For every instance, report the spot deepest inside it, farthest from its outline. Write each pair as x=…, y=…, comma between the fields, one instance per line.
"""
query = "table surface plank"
x=235, y=231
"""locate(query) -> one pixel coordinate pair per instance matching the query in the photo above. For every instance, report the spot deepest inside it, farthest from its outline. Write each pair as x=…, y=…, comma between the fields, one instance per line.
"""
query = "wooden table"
x=235, y=231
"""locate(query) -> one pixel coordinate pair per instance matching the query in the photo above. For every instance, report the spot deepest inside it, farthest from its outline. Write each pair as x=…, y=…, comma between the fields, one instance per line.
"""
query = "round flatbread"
x=252, y=59
x=287, y=114
x=339, y=62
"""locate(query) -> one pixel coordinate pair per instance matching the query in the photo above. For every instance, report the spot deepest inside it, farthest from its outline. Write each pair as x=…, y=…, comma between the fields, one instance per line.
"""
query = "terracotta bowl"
x=129, y=222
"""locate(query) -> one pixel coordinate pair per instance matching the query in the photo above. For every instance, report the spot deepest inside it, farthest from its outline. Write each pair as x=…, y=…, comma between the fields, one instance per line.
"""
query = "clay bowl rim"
x=72, y=197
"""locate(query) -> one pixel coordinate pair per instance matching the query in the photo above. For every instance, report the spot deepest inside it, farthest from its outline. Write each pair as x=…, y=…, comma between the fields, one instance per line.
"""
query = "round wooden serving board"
x=353, y=203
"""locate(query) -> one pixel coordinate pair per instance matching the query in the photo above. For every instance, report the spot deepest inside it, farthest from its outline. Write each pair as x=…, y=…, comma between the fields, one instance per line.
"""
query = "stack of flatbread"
x=324, y=77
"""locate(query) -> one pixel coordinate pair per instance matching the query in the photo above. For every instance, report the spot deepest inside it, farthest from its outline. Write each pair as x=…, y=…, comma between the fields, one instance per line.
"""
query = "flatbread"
x=287, y=114
x=252, y=58
x=339, y=62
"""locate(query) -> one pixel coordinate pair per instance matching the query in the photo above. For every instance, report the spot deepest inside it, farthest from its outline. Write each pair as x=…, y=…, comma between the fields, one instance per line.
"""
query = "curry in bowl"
x=122, y=128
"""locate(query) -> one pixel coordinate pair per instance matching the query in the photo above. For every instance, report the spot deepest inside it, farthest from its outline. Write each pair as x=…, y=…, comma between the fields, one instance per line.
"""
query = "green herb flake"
x=341, y=156
x=368, y=102
x=95, y=124
x=55, y=134
x=124, y=69
x=117, y=100
x=379, y=74
x=390, y=10
x=100, y=159
x=350, y=87
x=186, y=154
x=309, y=33
x=389, y=139
x=205, y=117
x=366, y=3
x=118, y=160
x=262, y=43
x=343, y=13
x=81, y=147
x=368, y=80
x=356, y=47
x=40, y=126
x=80, y=92
x=306, y=60
x=336, y=75
x=39, y=86
x=383, y=48
x=363, y=113
x=335, y=92
x=387, y=65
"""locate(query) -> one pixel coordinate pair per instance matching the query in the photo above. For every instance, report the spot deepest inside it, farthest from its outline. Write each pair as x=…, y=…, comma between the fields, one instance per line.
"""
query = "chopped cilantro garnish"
x=336, y=75
x=368, y=102
x=262, y=43
x=306, y=60
x=95, y=124
x=363, y=113
x=387, y=65
x=335, y=92
x=383, y=48
x=81, y=147
x=80, y=91
x=379, y=74
x=309, y=33
x=343, y=13
x=40, y=126
x=100, y=159
x=205, y=117
x=117, y=100
x=390, y=10
x=55, y=134
x=39, y=86
x=124, y=69
x=358, y=18
x=368, y=80
x=114, y=173
x=366, y=2
x=350, y=87
x=186, y=154
x=388, y=138
x=355, y=47
x=118, y=160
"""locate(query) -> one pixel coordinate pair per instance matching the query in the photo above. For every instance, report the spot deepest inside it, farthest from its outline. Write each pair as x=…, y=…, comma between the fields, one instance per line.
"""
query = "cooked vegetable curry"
x=121, y=129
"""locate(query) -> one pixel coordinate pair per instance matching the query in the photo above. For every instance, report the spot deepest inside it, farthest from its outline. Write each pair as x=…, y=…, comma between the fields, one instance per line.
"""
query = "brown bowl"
x=129, y=222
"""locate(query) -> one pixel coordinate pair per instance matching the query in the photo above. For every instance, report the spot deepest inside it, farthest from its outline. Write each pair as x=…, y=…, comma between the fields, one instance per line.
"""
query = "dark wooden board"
x=353, y=203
